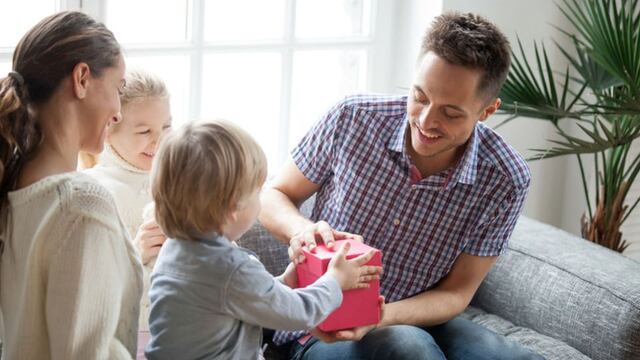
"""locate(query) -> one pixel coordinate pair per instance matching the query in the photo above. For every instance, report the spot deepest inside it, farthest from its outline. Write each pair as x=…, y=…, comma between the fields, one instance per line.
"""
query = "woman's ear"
x=80, y=78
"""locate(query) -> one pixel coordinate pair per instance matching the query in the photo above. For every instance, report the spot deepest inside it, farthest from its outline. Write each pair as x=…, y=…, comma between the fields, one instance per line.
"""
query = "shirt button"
x=396, y=222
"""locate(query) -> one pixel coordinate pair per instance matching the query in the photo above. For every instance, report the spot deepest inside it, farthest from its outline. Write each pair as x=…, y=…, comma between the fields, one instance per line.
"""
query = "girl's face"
x=137, y=136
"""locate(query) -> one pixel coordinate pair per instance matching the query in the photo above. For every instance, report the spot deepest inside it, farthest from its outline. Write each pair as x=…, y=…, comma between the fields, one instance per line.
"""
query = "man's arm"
x=432, y=307
x=280, y=214
x=281, y=200
x=445, y=301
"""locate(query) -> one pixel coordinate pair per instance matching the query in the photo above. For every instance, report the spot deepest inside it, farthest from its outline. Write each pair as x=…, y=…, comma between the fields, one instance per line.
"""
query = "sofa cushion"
x=567, y=288
x=272, y=253
x=548, y=347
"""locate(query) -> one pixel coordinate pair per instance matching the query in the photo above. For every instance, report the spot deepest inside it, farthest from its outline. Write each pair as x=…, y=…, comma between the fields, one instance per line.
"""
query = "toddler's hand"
x=290, y=276
x=353, y=273
x=149, y=240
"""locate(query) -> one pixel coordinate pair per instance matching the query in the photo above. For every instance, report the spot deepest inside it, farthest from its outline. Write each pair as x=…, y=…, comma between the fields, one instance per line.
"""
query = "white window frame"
x=286, y=46
x=377, y=46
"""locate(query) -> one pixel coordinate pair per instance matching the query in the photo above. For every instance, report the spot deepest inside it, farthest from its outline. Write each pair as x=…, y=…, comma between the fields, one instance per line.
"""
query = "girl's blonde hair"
x=139, y=86
x=201, y=173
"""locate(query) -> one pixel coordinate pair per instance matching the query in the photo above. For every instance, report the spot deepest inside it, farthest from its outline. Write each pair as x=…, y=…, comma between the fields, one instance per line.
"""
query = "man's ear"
x=490, y=109
x=80, y=78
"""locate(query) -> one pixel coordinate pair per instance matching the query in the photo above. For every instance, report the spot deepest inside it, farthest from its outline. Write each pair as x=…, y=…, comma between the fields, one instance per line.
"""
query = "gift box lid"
x=318, y=261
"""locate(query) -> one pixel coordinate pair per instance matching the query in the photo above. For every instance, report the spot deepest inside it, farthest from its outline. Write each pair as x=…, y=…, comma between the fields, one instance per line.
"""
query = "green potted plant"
x=600, y=93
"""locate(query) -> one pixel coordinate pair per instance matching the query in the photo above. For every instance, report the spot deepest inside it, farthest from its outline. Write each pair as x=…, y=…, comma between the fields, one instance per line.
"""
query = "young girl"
x=61, y=297
x=123, y=167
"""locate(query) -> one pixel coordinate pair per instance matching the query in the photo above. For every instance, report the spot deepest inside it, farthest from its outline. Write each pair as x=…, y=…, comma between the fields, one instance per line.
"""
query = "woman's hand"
x=149, y=240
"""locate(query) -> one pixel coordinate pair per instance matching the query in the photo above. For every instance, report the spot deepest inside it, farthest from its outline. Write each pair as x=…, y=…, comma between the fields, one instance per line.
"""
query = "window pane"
x=5, y=67
x=232, y=21
x=174, y=70
x=347, y=18
x=148, y=21
x=20, y=16
x=320, y=79
x=245, y=88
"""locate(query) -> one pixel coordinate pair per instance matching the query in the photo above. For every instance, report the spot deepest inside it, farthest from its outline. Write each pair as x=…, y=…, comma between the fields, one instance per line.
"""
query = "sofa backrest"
x=549, y=280
x=568, y=288
x=272, y=253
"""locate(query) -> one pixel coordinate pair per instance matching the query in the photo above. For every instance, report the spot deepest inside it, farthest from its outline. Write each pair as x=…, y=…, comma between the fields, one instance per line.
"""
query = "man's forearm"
x=430, y=308
x=280, y=215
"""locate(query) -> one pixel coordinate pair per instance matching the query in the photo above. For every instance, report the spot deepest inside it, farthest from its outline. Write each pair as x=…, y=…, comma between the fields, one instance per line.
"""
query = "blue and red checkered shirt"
x=357, y=153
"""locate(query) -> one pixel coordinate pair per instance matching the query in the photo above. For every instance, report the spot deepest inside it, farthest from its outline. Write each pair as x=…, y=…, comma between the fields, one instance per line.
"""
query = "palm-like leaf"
x=601, y=137
x=610, y=36
x=595, y=76
x=528, y=95
x=606, y=61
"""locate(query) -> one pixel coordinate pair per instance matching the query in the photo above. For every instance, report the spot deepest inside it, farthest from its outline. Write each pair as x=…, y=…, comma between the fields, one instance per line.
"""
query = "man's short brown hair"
x=471, y=41
x=200, y=174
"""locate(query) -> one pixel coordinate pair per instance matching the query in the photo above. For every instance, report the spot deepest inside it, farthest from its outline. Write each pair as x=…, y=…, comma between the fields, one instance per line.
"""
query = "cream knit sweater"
x=130, y=189
x=128, y=185
x=70, y=282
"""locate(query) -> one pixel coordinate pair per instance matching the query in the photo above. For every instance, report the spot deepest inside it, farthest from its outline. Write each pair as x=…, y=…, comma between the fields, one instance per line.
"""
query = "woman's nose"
x=117, y=118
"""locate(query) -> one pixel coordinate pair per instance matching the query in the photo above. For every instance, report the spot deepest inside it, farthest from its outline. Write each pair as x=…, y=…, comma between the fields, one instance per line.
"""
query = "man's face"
x=443, y=108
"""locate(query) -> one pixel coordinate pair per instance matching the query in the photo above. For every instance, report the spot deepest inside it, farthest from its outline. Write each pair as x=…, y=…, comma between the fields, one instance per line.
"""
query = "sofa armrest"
x=568, y=288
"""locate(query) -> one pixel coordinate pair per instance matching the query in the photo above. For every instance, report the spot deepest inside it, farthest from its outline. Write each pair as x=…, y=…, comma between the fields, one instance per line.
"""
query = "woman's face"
x=143, y=124
x=101, y=106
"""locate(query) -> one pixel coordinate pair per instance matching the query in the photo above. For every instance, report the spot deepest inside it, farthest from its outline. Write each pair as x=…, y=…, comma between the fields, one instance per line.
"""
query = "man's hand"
x=309, y=236
x=149, y=240
x=355, y=334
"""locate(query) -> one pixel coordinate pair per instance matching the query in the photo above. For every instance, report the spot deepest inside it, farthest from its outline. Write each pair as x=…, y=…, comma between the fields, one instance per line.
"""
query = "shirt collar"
x=397, y=141
x=465, y=171
x=467, y=168
x=110, y=157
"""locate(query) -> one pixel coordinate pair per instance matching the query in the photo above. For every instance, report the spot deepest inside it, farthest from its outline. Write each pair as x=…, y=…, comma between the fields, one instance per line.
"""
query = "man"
x=422, y=179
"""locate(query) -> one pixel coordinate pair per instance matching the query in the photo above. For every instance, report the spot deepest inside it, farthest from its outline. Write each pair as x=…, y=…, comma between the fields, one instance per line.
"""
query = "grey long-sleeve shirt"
x=210, y=300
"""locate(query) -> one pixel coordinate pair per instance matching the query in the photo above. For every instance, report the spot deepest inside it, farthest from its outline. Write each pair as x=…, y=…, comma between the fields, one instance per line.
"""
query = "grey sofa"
x=552, y=292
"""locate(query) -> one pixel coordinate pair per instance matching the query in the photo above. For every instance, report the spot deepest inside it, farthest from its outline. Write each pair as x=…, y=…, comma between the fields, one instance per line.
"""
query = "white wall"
x=556, y=195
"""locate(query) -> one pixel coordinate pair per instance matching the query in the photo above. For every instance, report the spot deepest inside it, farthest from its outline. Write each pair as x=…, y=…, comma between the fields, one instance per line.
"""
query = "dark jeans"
x=457, y=339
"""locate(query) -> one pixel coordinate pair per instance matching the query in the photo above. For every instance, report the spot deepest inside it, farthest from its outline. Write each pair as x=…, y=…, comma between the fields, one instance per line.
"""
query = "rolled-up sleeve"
x=492, y=236
x=316, y=152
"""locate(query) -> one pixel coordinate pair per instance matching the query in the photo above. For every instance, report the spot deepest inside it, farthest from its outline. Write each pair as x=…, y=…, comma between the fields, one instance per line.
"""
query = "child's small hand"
x=149, y=240
x=353, y=273
x=290, y=276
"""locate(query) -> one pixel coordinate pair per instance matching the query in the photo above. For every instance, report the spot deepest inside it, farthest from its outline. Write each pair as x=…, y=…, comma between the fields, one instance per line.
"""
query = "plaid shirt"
x=357, y=153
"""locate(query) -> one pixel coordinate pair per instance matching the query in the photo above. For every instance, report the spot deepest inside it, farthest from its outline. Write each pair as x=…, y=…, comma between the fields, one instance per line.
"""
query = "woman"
x=70, y=282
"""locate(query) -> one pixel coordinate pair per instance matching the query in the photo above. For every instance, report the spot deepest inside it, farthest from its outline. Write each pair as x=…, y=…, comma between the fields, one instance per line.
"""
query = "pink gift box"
x=360, y=307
